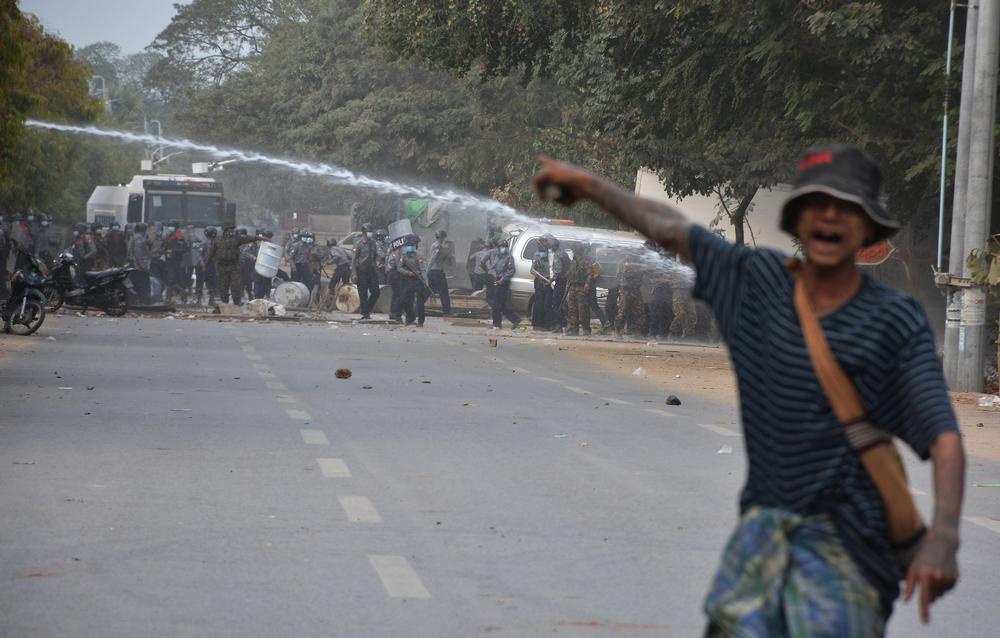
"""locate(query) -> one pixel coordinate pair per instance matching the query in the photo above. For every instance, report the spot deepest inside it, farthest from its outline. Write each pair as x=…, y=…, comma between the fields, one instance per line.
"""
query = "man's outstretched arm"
x=660, y=222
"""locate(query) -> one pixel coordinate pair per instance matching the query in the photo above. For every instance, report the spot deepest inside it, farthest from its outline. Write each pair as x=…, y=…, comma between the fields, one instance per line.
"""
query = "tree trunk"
x=740, y=215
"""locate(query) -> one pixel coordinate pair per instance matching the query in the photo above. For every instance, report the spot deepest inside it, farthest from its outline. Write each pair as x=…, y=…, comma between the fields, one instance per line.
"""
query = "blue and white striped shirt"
x=799, y=459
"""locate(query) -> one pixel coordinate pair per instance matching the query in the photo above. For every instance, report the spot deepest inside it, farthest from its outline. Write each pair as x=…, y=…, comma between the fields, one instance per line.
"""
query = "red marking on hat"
x=816, y=159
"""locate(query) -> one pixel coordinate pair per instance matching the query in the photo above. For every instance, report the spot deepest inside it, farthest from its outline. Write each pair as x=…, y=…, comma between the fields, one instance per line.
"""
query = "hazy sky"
x=131, y=24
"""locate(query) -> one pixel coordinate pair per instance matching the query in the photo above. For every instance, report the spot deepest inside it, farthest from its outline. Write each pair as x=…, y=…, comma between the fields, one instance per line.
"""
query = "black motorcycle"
x=107, y=290
x=24, y=311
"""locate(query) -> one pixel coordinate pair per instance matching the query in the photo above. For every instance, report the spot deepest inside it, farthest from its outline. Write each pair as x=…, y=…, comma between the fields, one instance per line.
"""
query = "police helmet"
x=550, y=240
x=331, y=242
x=210, y=232
x=412, y=240
x=503, y=243
x=96, y=226
x=366, y=228
x=242, y=232
x=268, y=233
x=139, y=228
x=441, y=234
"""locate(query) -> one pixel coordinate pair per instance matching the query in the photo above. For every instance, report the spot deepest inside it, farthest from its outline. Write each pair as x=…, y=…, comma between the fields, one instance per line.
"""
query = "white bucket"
x=292, y=294
x=268, y=259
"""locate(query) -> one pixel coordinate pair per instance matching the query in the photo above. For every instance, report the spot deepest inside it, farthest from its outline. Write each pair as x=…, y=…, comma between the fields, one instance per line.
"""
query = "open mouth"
x=827, y=238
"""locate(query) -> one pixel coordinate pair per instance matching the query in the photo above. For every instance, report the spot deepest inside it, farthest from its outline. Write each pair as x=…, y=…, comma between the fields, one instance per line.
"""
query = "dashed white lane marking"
x=314, y=437
x=276, y=385
x=398, y=578
x=549, y=379
x=989, y=523
x=614, y=400
x=248, y=349
x=261, y=366
x=917, y=492
x=521, y=370
x=359, y=509
x=474, y=350
x=660, y=412
x=254, y=357
x=718, y=429
x=333, y=468
x=299, y=415
x=573, y=388
x=284, y=398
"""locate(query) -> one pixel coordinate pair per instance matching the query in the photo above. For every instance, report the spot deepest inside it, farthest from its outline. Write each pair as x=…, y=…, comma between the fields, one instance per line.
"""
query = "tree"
x=208, y=41
x=50, y=172
x=718, y=96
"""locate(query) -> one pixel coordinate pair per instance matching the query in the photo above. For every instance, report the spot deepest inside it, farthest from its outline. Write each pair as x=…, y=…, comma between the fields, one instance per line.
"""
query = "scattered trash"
x=986, y=484
x=725, y=449
x=24, y=462
x=171, y=317
x=90, y=387
x=65, y=387
x=180, y=409
x=639, y=372
x=468, y=405
x=366, y=334
x=989, y=402
x=343, y=373
x=560, y=436
x=493, y=343
x=584, y=444
x=673, y=400
x=549, y=342
x=366, y=387
x=266, y=308
x=980, y=425
x=425, y=381
x=677, y=376
x=650, y=343
x=50, y=338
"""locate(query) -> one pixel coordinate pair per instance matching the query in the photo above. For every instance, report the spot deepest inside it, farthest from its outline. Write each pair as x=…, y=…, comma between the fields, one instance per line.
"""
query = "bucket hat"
x=847, y=173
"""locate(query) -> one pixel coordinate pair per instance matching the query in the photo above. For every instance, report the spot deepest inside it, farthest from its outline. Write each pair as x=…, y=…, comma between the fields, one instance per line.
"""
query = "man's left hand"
x=934, y=570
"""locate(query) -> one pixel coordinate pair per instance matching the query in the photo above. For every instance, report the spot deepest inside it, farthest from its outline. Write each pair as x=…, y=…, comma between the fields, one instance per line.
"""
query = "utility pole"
x=956, y=252
x=972, y=327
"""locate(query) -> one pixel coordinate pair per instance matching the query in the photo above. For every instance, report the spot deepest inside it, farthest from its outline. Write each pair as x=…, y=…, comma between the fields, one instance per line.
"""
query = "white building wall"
x=763, y=219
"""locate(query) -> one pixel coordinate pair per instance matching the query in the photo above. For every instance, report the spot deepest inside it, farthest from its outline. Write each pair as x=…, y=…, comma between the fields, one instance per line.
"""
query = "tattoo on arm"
x=949, y=479
x=658, y=221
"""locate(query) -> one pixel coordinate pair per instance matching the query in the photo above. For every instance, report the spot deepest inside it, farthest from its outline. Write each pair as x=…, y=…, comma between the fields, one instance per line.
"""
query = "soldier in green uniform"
x=583, y=272
x=227, y=262
x=630, y=305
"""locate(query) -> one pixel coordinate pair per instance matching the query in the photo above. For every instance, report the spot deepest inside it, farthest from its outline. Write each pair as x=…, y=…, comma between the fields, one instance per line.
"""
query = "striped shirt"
x=799, y=459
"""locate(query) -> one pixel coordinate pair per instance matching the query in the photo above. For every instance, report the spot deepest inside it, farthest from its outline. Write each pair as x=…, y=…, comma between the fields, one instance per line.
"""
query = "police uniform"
x=412, y=285
x=363, y=269
x=437, y=280
x=630, y=306
x=502, y=271
x=580, y=279
x=227, y=257
x=541, y=305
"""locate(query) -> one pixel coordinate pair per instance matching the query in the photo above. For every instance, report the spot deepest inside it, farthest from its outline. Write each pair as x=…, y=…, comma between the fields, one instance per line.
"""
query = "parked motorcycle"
x=24, y=311
x=107, y=290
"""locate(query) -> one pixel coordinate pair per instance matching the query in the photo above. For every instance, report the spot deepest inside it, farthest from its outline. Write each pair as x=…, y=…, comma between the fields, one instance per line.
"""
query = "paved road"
x=210, y=478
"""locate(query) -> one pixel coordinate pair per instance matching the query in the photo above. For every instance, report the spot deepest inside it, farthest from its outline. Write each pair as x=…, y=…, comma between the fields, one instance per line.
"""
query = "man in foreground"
x=812, y=554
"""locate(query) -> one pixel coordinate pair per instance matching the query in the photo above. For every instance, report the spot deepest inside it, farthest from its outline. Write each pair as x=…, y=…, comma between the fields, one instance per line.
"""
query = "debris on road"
x=673, y=400
x=366, y=387
x=493, y=343
x=266, y=308
x=50, y=338
x=343, y=373
x=584, y=444
x=639, y=372
x=725, y=449
x=989, y=402
x=65, y=387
